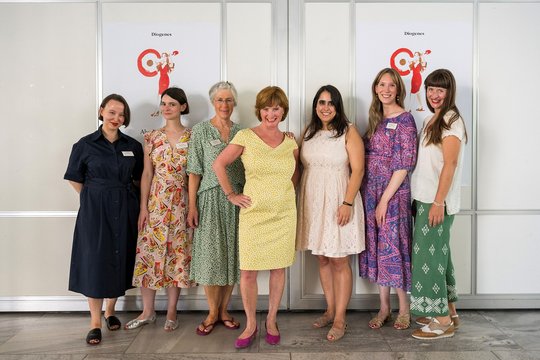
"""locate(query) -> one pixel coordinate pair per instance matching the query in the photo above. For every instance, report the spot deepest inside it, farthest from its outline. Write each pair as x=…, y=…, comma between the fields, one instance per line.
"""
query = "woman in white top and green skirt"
x=435, y=187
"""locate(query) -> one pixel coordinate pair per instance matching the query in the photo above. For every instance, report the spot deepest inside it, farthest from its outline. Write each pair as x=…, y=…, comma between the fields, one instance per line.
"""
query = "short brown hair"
x=269, y=96
x=119, y=98
x=179, y=95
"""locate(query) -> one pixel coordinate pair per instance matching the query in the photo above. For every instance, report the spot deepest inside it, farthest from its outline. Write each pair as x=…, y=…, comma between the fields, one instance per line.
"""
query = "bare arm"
x=226, y=157
x=146, y=181
x=355, y=152
x=450, y=148
x=193, y=213
x=393, y=185
x=76, y=185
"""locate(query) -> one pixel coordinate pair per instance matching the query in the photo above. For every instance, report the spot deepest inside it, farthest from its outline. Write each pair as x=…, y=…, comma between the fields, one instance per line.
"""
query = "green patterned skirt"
x=433, y=280
x=215, y=240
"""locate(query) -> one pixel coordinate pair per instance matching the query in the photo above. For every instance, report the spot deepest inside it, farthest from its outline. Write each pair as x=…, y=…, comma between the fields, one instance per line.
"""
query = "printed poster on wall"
x=141, y=60
x=416, y=39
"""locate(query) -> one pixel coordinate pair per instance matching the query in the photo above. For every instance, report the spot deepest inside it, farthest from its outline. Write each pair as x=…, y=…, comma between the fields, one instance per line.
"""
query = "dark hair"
x=271, y=95
x=376, y=108
x=119, y=98
x=339, y=123
x=178, y=95
x=442, y=78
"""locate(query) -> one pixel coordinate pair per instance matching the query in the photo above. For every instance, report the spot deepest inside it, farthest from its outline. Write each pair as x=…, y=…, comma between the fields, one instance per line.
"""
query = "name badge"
x=215, y=142
x=391, y=126
x=128, y=153
x=182, y=145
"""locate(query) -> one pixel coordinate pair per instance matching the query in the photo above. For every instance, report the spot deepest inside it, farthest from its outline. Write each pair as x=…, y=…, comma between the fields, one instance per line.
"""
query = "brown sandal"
x=322, y=321
x=403, y=321
x=335, y=334
x=378, y=322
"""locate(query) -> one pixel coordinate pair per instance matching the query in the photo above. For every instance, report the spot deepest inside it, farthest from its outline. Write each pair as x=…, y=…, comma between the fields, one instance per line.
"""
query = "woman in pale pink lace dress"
x=330, y=212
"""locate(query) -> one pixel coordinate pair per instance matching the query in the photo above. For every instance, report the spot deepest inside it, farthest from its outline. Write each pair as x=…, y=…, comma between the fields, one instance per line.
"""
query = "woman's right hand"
x=143, y=218
x=240, y=200
x=193, y=217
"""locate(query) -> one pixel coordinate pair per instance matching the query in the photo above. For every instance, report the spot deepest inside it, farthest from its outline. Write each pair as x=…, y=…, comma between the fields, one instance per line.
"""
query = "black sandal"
x=113, y=323
x=94, y=337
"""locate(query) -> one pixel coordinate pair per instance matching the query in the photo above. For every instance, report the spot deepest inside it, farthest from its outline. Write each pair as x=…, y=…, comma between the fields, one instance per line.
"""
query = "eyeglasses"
x=227, y=101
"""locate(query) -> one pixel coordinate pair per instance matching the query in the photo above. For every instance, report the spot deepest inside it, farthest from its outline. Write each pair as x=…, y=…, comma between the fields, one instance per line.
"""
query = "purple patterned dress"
x=387, y=258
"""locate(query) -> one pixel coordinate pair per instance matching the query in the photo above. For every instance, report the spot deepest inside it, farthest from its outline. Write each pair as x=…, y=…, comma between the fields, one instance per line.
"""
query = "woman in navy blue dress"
x=103, y=168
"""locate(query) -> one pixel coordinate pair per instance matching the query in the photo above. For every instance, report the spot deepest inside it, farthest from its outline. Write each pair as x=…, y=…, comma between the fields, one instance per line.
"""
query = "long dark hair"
x=340, y=122
x=442, y=78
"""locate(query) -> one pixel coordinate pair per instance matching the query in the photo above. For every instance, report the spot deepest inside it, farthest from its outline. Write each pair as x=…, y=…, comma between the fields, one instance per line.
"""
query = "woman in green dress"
x=214, y=261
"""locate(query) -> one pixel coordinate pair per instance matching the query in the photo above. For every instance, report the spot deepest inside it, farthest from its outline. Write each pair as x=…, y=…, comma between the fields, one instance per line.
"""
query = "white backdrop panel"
x=508, y=165
x=48, y=97
x=327, y=52
x=508, y=248
x=249, y=55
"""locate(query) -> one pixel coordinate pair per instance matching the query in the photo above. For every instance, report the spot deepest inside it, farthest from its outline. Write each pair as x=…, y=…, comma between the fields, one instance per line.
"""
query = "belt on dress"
x=100, y=183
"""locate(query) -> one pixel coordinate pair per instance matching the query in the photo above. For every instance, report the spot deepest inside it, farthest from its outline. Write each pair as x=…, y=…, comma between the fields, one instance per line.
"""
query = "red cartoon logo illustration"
x=151, y=63
x=404, y=61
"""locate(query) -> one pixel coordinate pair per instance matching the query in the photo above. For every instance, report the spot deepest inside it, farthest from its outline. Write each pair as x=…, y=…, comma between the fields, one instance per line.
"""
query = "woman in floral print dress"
x=164, y=243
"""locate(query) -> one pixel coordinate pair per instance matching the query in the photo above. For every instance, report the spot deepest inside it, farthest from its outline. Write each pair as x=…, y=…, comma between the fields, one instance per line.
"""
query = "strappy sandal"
x=377, y=322
x=230, y=324
x=323, y=321
x=206, y=329
x=170, y=325
x=403, y=321
x=335, y=334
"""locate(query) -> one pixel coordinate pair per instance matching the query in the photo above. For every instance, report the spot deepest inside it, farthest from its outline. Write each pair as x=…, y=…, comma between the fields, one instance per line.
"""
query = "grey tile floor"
x=483, y=335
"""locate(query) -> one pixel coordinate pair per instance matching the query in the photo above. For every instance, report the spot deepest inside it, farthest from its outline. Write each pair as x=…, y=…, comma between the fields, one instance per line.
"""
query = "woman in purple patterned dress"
x=390, y=143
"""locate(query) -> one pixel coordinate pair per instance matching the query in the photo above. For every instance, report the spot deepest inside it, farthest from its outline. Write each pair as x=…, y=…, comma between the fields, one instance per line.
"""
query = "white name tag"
x=181, y=145
x=215, y=142
x=392, y=126
x=128, y=153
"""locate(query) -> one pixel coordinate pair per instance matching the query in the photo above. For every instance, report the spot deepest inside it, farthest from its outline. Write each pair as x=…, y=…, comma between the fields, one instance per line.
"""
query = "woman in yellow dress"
x=267, y=228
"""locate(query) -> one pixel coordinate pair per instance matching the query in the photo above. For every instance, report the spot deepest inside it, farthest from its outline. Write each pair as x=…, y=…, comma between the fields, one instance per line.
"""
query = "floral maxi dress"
x=164, y=244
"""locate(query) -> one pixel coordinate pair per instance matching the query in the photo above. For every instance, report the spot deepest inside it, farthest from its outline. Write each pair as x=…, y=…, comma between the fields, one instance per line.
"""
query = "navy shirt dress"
x=105, y=237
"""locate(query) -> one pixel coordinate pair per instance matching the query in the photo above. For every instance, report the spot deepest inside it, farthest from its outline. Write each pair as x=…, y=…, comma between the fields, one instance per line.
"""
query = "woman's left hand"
x=344, y=214
x=435, y=215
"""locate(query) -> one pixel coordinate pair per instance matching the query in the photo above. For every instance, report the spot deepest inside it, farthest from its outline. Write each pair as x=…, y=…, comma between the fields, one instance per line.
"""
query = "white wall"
x=49, y=92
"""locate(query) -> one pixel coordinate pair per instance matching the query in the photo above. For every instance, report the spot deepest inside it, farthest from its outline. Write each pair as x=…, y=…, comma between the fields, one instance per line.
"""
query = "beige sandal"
x=403, y=321
x=335, y=334
x=378, y=322
x=323, y=321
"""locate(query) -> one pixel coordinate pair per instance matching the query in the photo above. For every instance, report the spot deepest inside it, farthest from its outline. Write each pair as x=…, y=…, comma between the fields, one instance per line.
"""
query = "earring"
x=397, y=98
